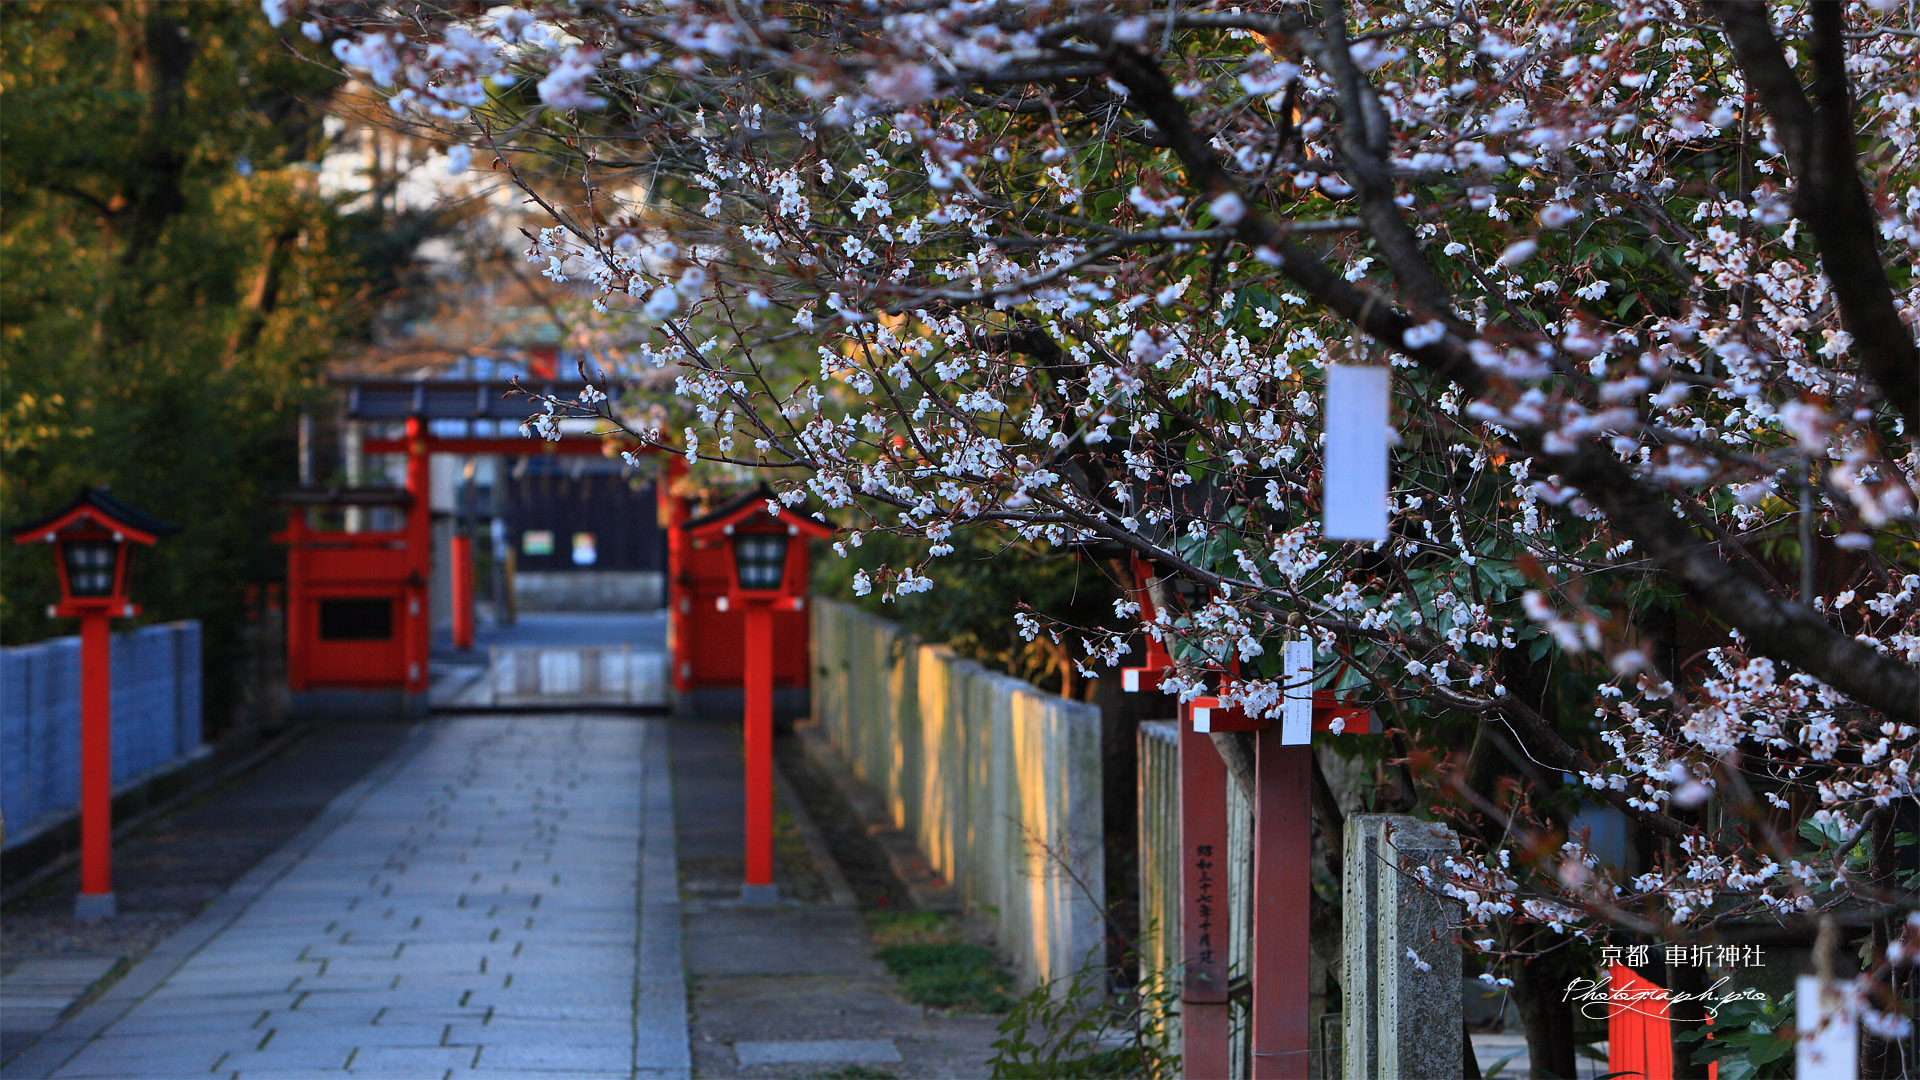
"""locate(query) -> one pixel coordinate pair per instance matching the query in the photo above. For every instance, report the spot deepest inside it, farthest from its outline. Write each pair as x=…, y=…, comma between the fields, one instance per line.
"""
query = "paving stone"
x=140, y=1056
x=432, y=907
x=351, y=1035
x=196, y=1005
x=512, y=1032
x=311, y=1015
x=409, y=1061
x=234, y=1024
x=310, y=1058
x=487, y=1073
x=557, y=1057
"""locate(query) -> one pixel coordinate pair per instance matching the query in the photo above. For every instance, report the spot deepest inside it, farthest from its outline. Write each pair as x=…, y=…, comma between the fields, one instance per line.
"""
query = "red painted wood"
x=1203, y=904
x=1327, y=707
x=1157, y=656
x=297, y=641
x=704, y=569
x=397, y=566
x=1224, y=718
x=758, y=622
x=1639, y=1033
x=460, y=557
x=1282, y=887
x=96, y=755
x=673, y=518
x=413, y=613
x=91, y=521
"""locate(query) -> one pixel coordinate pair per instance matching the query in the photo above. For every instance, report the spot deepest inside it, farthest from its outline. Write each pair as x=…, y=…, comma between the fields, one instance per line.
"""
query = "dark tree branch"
x=1793, y=632
x=1818, y=138
x=1363, y=141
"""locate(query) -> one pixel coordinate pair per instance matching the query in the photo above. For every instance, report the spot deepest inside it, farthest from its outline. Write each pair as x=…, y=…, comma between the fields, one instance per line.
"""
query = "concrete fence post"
x=1401, y=975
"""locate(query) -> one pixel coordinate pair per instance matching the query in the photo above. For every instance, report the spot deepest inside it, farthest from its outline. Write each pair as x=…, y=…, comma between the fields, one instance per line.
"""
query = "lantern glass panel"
x=90, y=566
x=760, y=560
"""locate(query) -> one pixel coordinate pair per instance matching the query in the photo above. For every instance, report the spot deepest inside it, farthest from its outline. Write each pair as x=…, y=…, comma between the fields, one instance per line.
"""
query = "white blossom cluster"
x=942, y=266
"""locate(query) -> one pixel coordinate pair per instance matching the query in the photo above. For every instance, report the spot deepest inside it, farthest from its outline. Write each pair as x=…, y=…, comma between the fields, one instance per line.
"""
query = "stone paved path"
x=499, y=899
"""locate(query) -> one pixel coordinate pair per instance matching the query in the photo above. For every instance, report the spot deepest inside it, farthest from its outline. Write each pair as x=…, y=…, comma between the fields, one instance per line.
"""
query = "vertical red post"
x=673, y=515
x=1203, y=903
x=96, y=769
x=461, y=554
x=419, y=554
x=296, y=609
x=759, y=886
x=1282, y=889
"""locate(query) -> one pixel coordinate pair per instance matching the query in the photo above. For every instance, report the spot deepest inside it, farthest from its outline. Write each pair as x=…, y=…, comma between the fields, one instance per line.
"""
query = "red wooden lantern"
x=94, y=537
x=767, y=577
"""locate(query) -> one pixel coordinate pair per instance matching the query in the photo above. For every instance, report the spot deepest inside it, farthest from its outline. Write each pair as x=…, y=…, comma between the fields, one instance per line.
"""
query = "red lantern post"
x=460, y=563
x=1282, y=886
x=766, y=579
x=94, y=535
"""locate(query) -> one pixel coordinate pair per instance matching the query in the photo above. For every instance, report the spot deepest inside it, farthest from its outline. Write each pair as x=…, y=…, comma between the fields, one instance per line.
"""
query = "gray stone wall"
x=997, y=782
x=1401, y=976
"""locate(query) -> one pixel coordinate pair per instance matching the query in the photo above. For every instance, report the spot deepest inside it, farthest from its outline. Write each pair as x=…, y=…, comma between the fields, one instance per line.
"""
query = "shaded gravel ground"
x=861, y=860
x=803, y=971
x=167, y=871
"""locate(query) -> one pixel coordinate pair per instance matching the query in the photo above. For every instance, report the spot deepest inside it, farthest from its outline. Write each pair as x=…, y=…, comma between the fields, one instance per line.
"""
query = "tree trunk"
x=1539, y=990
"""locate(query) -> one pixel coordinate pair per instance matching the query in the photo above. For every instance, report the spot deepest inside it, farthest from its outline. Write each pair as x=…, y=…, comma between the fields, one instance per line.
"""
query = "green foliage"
x=1750, y=1040
x=955, y=975
x=977, y=590
x=1069, y=1029
x=935, y=968
x=173, y=281
x=906, y=927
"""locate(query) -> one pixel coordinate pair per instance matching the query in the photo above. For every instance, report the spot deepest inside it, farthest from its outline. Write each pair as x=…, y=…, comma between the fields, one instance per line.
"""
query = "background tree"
x=172, y=279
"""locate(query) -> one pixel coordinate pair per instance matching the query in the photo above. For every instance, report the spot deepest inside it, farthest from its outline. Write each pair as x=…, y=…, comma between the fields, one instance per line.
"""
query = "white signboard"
x=1828, y=1044
x=1296, y=706
x=1357, y=441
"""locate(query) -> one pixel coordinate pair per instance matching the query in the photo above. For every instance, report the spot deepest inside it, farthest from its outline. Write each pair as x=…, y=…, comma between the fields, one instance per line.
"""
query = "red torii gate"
x=358, y=615
x=1282, y=885
x=358, y=611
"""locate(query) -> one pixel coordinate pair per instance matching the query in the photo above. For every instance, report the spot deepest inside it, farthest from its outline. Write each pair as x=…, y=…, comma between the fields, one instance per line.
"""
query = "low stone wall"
x=997, y=782
x=156, y=718
x=588, y=590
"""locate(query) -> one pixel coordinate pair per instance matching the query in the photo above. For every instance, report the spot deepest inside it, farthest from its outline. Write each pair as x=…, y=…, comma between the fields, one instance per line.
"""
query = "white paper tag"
x=1296, y=703
x=1828, y=1046
x=1357, y=441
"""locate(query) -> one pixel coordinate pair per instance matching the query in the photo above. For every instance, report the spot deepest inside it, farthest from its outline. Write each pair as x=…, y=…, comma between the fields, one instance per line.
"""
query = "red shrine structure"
x=702, y=553
x=1281, y=890
x=754, y=563
x=94, y=537
x=360, y=600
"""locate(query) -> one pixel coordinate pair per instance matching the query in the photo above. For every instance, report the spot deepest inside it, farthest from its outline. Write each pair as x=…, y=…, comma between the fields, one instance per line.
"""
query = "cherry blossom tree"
x=1642, y=272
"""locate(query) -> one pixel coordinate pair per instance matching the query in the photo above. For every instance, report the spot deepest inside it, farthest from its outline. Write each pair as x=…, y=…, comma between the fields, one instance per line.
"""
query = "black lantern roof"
x=94, y=504
x=743, y=508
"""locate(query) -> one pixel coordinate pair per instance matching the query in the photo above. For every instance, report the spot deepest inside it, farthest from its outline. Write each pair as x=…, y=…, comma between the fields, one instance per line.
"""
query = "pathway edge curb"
x=660, y=982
